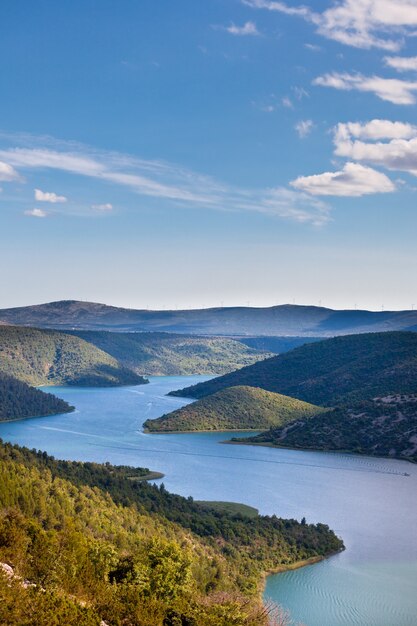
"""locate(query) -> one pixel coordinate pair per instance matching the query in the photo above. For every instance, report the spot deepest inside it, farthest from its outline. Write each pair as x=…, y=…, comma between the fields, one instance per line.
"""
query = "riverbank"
x=31, y=417
x=326, y=450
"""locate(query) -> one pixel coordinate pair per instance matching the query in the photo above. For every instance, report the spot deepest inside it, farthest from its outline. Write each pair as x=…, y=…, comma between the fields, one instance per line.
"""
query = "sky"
x=159, y=154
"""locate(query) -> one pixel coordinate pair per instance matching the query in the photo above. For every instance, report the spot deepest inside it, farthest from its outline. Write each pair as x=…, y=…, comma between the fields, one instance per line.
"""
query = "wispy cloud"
x=287, y=102
x=313, y=47
x=379, y=24
x=7, y=172
x=362, y=142
x=49, y=196
x=352, y=180
x=402, y=64
x=249, y=28
x=390, y=89
x=36, y=213
x=161, y=180
x=304, y=128
x=102, y=207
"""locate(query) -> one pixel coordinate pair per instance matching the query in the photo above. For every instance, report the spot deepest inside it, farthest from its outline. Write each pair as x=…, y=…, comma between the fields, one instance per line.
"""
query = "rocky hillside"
x=383, y=427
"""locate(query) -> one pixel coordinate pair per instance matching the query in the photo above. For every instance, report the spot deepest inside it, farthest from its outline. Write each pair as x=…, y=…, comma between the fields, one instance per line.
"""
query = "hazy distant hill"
x=342, y=369
x=281, y=320
x=235, y=408
x=383, y=427
x=46, y=357
x=19, y=400
x=277, y=345
x=173, y=355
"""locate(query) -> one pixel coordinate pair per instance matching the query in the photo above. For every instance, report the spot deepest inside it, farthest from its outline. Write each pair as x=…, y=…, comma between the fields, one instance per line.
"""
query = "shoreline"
x=150, y=476
x=281, y=569
x=32, y=417
x=326, y=450
x=194, y=432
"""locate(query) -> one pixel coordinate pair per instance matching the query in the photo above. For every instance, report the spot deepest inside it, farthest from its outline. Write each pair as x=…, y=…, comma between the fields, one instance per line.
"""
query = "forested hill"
x=96, y=544
x=19, y=400
x=235, y=408
x=334, y=371
x=382, y=427
x=169, y=354
x=45, y=357
x=282, y=320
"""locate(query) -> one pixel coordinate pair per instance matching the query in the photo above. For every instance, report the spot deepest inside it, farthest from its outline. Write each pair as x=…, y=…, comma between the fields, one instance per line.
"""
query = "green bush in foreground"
x=131, y=553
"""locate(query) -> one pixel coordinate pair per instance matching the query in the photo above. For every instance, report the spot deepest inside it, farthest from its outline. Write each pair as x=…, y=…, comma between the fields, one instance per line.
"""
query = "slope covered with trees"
x=18, y=400
x=235, y=408
x=46, y=357
x=381, y=427
x=166, y=354
x=99, y=545
x=330, y=372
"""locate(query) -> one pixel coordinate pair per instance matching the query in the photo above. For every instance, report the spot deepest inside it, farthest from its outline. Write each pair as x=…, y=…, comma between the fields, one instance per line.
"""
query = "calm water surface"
x=369, y=502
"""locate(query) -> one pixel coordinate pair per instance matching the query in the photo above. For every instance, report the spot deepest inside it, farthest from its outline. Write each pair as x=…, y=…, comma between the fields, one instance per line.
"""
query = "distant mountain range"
x=283, y=320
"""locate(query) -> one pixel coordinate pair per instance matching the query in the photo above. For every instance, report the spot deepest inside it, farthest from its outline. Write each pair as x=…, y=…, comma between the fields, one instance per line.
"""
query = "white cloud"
x=48, y=196
x=402, y=64
x=352, y=180
x=376, y=129
x=249, y=28
x=313, y=47
x=102, y=207
x=287, y=103
x=7, y=172
x=304, y=128
x=36, y=213
x=359, y=23
x=389, y=89
x=399, y=152
x=164, y=181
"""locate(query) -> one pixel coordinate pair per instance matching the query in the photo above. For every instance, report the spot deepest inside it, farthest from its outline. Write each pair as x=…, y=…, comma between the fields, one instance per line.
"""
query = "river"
x=367, y=501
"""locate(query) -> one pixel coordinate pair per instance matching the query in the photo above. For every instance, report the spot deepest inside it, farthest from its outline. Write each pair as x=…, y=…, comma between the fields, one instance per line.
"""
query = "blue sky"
x=186, y=154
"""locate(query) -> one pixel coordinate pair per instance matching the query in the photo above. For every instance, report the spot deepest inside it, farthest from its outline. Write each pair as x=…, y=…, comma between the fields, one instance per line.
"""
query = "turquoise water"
x=369, y=502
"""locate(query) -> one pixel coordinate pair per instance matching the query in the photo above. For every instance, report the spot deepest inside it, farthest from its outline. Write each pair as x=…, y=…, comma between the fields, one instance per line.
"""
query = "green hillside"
x=339, y=370
x=234, y=408
x=132, y=554
x=46, y=357
x=156, y=354
x=381, y=427
x=19, y=400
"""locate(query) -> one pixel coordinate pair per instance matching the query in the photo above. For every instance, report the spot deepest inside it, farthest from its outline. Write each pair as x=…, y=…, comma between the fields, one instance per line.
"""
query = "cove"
x=367, y=501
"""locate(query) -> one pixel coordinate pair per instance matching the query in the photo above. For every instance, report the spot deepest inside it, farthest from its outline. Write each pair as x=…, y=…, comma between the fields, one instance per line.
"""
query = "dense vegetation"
x=335, y=371
x=19, y=400
x=235, y=408
x=382, y=427
x=46, y=357
x=166, y=354
x=277, y=345
x=282, y=320
x=99, y=545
